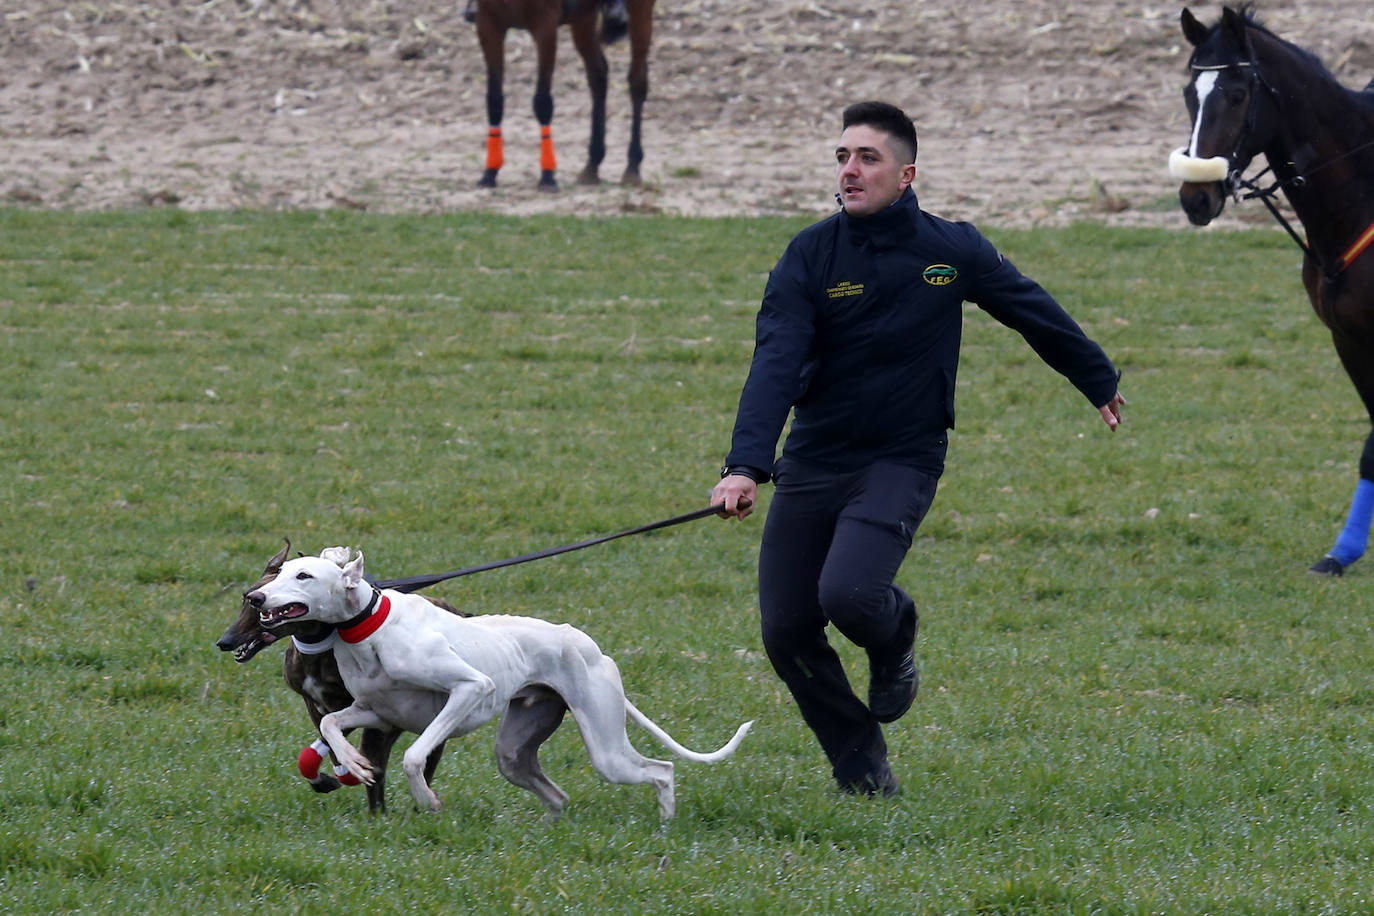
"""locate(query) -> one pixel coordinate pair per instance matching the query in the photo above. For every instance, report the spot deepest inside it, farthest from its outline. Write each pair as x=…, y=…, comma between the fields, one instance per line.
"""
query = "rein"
x=1266, y=196
x=415, y=583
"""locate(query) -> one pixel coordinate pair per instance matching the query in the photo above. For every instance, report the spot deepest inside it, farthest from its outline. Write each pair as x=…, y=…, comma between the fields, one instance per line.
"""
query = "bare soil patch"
x=1030, y=112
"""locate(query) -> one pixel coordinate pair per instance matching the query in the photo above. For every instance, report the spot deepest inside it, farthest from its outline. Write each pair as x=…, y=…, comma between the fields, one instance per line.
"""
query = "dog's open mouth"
x=253, y=646
x=271, y=617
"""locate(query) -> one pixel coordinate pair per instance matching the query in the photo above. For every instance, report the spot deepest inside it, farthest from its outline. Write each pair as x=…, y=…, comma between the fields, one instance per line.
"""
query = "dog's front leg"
x=332, y=728
x=470, y=699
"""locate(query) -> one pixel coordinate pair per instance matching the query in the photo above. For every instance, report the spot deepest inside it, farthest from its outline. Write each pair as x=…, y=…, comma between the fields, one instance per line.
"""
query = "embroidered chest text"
x=845, y=288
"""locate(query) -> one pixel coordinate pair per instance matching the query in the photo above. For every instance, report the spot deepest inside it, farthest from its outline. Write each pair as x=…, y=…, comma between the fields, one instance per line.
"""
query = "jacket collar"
x=889, y=227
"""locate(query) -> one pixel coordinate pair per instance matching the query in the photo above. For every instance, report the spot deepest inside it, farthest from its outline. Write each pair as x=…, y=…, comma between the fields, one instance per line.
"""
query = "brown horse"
x=1252, y=93
x=541, y=18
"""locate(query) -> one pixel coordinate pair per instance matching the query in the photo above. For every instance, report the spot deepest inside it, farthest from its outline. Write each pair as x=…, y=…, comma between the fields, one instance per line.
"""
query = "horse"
x=541, y=18
x=1250, y=93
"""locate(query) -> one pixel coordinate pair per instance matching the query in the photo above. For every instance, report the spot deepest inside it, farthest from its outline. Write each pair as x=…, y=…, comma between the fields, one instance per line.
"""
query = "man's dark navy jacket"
x=859, y=332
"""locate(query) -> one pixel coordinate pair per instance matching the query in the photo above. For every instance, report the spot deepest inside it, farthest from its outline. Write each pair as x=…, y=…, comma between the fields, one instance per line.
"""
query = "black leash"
x=415, y=583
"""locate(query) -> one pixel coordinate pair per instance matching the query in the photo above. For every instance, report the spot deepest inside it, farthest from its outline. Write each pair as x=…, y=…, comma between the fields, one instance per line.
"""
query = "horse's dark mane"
x=1361, y=99
x=1249, y=12
x=1251, y=16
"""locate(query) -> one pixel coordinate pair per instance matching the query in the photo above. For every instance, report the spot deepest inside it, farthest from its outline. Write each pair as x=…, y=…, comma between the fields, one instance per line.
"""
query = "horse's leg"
x=641, y=33
x=545, y=36
x=585, y=40
x=492, y=37
x=1353, y=540
x=1354, y=537
x=1350, y=318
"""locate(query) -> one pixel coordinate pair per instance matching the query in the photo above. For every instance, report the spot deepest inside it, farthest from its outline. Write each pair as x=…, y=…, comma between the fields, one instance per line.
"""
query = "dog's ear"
x=274, y=564
x=337, y=555
x=353, y=571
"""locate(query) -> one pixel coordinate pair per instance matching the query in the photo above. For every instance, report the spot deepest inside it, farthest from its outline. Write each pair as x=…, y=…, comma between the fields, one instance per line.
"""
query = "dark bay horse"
x=1252, y=93
x=541, y=18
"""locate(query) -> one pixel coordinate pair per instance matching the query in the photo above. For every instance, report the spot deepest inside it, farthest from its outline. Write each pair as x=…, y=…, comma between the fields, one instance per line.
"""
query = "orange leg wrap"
x=495, y=148
x=547, y=161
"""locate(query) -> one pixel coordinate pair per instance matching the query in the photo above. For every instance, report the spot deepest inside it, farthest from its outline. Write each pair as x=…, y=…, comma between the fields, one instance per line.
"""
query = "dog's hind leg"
x=531, y=717
x=598, y=706
x=618, y=762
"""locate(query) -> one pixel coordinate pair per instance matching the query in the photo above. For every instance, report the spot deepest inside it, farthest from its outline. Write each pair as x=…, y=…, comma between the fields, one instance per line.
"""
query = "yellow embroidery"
x=845, y=289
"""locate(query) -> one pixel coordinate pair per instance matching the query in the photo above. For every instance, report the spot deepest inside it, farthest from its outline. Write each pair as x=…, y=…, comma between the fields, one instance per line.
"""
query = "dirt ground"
x=1030, y=112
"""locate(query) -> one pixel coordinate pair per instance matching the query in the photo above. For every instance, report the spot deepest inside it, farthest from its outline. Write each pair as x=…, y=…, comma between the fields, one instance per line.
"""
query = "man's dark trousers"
x=831, y=548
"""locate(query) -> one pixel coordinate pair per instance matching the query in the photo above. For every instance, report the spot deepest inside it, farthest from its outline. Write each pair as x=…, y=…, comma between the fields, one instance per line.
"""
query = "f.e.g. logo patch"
x=939, y=275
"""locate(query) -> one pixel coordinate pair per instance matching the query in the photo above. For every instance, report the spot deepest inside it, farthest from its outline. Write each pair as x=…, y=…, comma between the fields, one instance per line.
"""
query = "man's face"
x=871, y=175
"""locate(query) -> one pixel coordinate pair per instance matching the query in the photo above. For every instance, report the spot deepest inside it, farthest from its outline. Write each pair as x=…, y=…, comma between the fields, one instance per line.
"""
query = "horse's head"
x=1231, y=110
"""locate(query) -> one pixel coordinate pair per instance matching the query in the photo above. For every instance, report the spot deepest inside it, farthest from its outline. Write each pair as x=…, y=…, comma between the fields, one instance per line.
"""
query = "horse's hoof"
x=547, y=183
x=631, y=179
x=488, y=179
x=588, y=176
x=1327, y=566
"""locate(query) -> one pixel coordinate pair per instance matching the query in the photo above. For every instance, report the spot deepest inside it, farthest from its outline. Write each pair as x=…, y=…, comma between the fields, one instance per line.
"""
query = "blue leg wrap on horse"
x=1350, y=546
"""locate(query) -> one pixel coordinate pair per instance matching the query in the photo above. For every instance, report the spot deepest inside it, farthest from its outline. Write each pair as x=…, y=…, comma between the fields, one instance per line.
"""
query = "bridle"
x=1235, y=181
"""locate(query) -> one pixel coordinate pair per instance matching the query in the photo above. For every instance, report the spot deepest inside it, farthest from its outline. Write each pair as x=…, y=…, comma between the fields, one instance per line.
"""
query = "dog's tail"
x=667, y=741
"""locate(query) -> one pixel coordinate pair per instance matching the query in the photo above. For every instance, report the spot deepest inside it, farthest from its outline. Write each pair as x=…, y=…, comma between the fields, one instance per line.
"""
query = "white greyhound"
x=412, y=666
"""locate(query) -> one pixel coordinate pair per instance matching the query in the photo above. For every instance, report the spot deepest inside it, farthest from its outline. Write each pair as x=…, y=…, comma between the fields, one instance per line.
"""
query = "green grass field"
x=1134, y=699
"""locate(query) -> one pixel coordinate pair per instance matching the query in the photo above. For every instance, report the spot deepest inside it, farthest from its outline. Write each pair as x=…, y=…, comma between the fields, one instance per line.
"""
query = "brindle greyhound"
x=311, y=671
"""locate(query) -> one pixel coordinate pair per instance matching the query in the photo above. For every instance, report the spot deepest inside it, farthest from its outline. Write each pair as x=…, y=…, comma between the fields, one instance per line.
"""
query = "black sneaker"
x=470, y=11
x=892, y=675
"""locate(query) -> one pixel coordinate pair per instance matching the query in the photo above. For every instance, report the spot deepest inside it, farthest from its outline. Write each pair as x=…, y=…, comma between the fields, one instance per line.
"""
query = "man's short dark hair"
x=889, y=119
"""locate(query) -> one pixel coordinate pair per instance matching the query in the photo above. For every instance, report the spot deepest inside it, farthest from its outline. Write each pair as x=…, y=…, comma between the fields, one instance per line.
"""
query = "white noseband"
x=1190, y=168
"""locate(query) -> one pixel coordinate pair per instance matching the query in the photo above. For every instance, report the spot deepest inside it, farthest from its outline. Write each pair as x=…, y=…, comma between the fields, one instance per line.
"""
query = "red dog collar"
x=358, y=632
